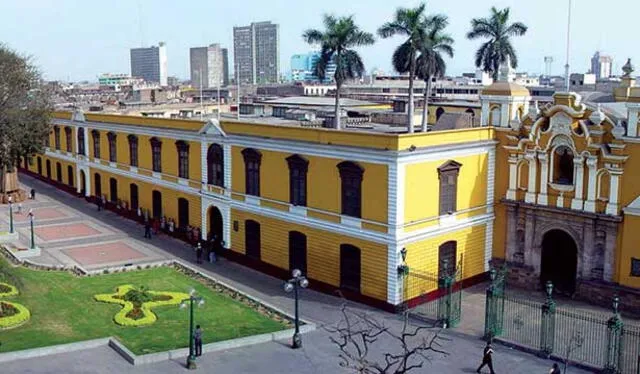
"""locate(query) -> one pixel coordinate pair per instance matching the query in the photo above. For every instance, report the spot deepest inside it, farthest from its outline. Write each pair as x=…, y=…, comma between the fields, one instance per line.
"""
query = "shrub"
x=17, y=319
x=7, y=290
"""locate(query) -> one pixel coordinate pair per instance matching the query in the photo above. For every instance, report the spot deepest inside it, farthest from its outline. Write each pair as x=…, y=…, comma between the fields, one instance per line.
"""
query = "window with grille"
x=252, y=160
x=156, y=154
x=56, y=134
x=350, y=267
x=448, y=174
x=113, y=149
x=215, y=165
x=298, y=251
x=67, y=135
x=351, y=188
x=81, y=150
x=133, y=150
x=298, y=168
x=183, y=159
x=96, y=143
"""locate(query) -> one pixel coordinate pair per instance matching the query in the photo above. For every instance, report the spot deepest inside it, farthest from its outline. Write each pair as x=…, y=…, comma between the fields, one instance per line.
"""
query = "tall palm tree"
x=430, y=63
x=409, y=23
x=337, y=41
x=498, y=49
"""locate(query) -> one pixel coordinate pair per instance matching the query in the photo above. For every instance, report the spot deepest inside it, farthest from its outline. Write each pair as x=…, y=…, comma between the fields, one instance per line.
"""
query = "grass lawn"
x=63, y=311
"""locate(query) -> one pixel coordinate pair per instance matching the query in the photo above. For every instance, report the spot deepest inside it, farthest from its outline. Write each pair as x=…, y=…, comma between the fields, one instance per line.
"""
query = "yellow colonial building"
x=340, y=205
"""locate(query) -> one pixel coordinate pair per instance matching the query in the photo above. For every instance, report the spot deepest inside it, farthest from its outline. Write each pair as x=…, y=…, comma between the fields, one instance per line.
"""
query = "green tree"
x=25, y=110
x=430, y=63
x=337, y=41
x=412, y=24
x=498, y=49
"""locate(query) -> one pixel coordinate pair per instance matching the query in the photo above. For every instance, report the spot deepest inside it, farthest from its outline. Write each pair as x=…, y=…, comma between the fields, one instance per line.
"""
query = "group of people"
x=210, y=248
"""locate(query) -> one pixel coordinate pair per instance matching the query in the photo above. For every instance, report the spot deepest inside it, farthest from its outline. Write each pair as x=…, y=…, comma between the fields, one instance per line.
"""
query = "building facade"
x=150, y=63
x=601, y=65
x=351, y=208
x=303, y=65
x=256, y=51
x=210, y=62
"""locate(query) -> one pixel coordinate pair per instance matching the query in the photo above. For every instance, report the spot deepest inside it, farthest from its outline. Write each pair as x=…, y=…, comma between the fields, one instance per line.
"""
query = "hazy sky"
x=79, y=39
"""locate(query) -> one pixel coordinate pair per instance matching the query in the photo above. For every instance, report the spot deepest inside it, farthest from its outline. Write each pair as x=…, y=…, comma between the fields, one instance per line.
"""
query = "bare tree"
x=356, y=334
x=25, y=110
x=575, y=343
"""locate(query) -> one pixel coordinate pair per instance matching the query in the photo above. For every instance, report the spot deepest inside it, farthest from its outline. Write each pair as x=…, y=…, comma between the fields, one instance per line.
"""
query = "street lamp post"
x=33, y=240
x=292, y=284
x=191, y=360
x=10, y=214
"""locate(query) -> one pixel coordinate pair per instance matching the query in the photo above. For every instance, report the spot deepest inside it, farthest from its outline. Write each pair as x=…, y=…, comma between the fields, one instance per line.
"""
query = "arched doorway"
x=439, y=113
x=97, y=183
x=113, y=190
x=83, y=183
x=215, y=222
x=559, y=261
x=58, y=172
x=156, y=202
x=48, y=163
x=39, y=160
x=133, y=196
x=183, y=213
x=70, y=175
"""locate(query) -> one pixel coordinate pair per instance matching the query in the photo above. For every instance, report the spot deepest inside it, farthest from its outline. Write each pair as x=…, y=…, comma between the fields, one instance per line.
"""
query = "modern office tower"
x=256, y=52
x=208, y=61
x=150, y=63
x=601, y=65
x=303, y=65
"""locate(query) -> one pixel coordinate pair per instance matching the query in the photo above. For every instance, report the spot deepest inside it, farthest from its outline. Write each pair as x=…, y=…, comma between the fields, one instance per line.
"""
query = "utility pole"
x=566, y=66
x=238, y=96
x=201, y=107
x=219, y=100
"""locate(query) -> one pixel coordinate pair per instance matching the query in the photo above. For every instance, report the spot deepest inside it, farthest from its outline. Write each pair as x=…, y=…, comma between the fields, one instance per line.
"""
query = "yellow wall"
x=422, y=258
x=630, y=238
x=422, y=189
x=323, y=252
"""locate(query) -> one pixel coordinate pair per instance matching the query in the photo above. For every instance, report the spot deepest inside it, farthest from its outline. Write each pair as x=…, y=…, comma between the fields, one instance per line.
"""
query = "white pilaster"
x=612, y=206
x=590, y=203
x=394, y=282
x=87, y=152
x=204, y=225
x=226, y=225
x=204, y=148
x=484, y=113
x=491, y=176
x=504, y=115
x=513, y=177
x=632, y=123
x=227, y=168
x=543, y=198
x=396, y=205
x=578, y=172
x=530, y=196
x=488, y=245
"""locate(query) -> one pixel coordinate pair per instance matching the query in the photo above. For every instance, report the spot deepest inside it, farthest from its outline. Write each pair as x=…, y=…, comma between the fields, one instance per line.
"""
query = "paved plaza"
x=70, y=231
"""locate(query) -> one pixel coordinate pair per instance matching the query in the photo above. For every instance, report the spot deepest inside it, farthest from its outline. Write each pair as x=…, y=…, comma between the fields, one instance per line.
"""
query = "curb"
x=53, y=349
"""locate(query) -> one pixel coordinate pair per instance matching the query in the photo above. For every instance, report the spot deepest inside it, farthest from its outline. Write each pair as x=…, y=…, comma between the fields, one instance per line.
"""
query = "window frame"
x=95, y=134
x=298, y=168
x=215, y=165
x=133, y=150
x=182, y=148
x=252, y=162
x=156, y=154
x=448, y=191
x=56, y=137
x=67, y=135
x=351, y=177
x=112, y=137
x=80, y=136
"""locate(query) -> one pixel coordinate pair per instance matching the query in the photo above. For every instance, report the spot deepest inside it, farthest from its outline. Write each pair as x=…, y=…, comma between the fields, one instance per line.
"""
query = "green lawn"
x=63, y=311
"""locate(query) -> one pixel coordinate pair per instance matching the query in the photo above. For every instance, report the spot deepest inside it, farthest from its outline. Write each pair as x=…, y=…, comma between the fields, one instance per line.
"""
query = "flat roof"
x=315, y=101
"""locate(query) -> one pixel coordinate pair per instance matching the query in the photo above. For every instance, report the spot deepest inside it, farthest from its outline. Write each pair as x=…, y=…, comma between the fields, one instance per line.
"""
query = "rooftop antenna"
x=566, y=66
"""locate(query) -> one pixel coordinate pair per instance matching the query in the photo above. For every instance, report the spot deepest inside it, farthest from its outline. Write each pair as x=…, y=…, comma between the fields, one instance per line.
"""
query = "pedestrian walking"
x=199, y=253
x=487, y=358
x=197, y=336
x=104, y=202
x=32, y=195
x=19, y=208
x=555, y=369
x=147, y=229
x=99, y=203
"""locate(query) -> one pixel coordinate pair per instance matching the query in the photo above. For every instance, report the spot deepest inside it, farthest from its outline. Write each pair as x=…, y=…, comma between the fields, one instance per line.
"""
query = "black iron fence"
x=596, y=340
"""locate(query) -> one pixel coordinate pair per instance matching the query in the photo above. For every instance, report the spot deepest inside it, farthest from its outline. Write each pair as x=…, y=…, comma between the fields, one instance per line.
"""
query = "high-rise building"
x=225, y=67
x=303, y=66
x=601, y=65
x=210, y=62
x=150, y=63
x=256, y=51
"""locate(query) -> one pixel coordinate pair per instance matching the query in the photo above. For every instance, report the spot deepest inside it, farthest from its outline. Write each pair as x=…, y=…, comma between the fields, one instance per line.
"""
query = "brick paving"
x=65, y=231
x=318, y=354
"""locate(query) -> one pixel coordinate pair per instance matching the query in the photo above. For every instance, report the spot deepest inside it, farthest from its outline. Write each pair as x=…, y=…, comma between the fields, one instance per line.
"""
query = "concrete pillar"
x=544, y=178
x=590, y=203
x=614, y=189
x=578, y=172
x=204, y=147
x=227, y=169
x=530, y=196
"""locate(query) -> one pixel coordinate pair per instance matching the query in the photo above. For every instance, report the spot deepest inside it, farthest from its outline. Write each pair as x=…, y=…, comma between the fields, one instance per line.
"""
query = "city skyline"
x=81, y=45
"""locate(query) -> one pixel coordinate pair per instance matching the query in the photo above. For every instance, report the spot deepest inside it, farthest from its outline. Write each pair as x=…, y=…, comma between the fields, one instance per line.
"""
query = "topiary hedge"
x=7, y=290
x=148, y=317
x=21, y=316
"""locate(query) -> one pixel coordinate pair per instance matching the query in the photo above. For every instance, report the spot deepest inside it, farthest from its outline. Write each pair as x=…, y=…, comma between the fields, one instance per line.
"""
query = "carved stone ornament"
x=560, y=123
x=618, y=131
x=597, y=117
x=627, y=68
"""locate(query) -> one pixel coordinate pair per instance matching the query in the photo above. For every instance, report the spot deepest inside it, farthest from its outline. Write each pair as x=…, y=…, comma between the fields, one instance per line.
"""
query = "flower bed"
x=138, y=312
x=7, y=290
x=13, y=315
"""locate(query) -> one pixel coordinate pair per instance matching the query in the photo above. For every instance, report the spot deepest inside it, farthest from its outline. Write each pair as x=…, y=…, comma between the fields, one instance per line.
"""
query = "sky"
x=79, y=39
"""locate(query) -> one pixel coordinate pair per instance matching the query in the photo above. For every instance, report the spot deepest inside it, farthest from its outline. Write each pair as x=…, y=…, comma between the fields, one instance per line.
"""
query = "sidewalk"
x=318, y=354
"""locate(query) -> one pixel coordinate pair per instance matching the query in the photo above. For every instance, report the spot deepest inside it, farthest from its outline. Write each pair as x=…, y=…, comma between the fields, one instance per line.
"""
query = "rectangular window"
x=635, y=267
x=113, y=149
x=133, y=150
x=56, y=133
x=183, y=159
x=96, y=143
x=81, y=141
x=448, y=174
x=156, y=155
x=67, y=134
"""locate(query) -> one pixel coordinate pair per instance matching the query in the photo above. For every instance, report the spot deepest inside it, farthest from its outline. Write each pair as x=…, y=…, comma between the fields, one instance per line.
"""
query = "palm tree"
x=498, y=49
x=336, y=43
x=430, y=63
x=412, y=24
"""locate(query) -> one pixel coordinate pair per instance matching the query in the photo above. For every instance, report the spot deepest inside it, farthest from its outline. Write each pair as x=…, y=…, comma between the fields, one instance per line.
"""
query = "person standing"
x=555, y=369
x=199, y=253
x=487, y=358
x=197, y=336
x=147, y=229
x=33, y=194
x=213, y=255
x=99, y=203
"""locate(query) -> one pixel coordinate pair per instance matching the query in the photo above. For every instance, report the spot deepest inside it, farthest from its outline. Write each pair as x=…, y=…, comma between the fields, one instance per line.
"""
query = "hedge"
x=17, y=319
x=149, y=317
x=12, y=292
